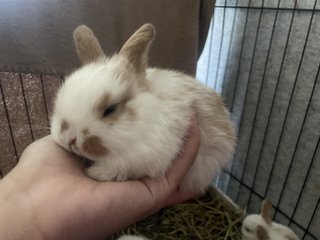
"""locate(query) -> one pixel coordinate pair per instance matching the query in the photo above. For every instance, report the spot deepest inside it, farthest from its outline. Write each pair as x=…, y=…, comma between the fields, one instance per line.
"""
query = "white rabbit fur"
x=146, y=131
x=261, y=227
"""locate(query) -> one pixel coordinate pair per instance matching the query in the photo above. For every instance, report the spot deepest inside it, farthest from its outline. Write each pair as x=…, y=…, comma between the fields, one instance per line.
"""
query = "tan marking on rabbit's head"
x=102, y=103
x=266, y=211
x=136, y=47
x=85, y=132
x=64, y=125
x=110, y=110
x=262, y=233
x=93, y=145
x=131, y=114
x=87, y=45
x=135, y=50
x=126, y=74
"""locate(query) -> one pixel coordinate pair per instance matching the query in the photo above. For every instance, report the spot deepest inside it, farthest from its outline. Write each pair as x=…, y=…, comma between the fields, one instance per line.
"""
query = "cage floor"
x=209, y=217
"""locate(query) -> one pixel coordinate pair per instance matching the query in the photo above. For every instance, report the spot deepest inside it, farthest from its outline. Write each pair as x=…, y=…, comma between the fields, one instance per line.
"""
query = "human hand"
x=48, y=196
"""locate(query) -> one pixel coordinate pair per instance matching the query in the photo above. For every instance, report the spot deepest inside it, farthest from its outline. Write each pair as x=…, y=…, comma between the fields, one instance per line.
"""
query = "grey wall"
x=265, y=62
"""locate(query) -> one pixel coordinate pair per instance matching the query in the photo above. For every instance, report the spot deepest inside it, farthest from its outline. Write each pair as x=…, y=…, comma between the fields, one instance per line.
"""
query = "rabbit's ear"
x=266, y=211
x=137, y=46
x=87, y=45
x=262, y=233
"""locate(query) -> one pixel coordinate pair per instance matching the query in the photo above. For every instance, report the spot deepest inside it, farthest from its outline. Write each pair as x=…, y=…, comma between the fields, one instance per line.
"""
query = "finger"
x=186, y=158
x=47, y=151
x=36, y=148
x=42, y=143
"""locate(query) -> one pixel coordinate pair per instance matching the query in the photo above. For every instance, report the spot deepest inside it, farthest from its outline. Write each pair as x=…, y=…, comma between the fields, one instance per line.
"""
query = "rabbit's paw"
x=100, y=174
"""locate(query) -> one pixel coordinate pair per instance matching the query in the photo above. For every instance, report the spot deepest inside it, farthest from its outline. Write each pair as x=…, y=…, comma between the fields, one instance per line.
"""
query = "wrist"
x=17, y=216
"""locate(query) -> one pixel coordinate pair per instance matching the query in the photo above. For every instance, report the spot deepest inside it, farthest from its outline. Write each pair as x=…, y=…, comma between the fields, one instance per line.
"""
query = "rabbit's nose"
x=71, y=142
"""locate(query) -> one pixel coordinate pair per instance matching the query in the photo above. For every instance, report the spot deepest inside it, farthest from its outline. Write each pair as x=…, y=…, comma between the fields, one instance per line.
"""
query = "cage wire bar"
x=263, y=56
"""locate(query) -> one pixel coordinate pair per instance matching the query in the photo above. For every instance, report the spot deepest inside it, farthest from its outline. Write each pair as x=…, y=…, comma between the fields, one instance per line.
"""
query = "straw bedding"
x=210, y=217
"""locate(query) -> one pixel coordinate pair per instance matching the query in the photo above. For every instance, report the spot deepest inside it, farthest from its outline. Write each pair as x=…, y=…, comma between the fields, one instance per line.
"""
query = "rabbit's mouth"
x=87, y=162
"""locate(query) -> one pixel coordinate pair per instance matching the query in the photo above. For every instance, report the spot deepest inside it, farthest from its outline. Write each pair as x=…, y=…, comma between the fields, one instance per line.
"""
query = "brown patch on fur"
x=93, y=145
x=131, y=114
x=220, y=121
x=103, y=103
x=266, y=211
x=85, y=132
x=262, y=233
x=64, y=126
x=137, y=46
x=121, y=107
x=87, y=45
x=143, y=84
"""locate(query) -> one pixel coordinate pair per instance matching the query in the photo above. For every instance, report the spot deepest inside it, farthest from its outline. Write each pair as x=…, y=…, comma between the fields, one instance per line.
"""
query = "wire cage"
x=263, y=56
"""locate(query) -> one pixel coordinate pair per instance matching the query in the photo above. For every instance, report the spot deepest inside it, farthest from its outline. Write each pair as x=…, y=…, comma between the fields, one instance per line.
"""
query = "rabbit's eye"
x=111, y=109
x=247, y=229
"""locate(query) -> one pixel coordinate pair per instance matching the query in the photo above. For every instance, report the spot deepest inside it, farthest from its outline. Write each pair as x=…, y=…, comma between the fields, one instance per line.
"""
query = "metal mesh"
x=264, y=56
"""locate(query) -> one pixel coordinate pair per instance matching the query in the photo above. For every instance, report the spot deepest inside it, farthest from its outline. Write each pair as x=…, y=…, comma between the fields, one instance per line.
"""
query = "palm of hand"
x=63, y=194
x=65, y=204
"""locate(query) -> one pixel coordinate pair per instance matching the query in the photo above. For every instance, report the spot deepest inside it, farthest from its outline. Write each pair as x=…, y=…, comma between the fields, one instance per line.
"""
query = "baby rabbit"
x=261, y=227
x=132, y=120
